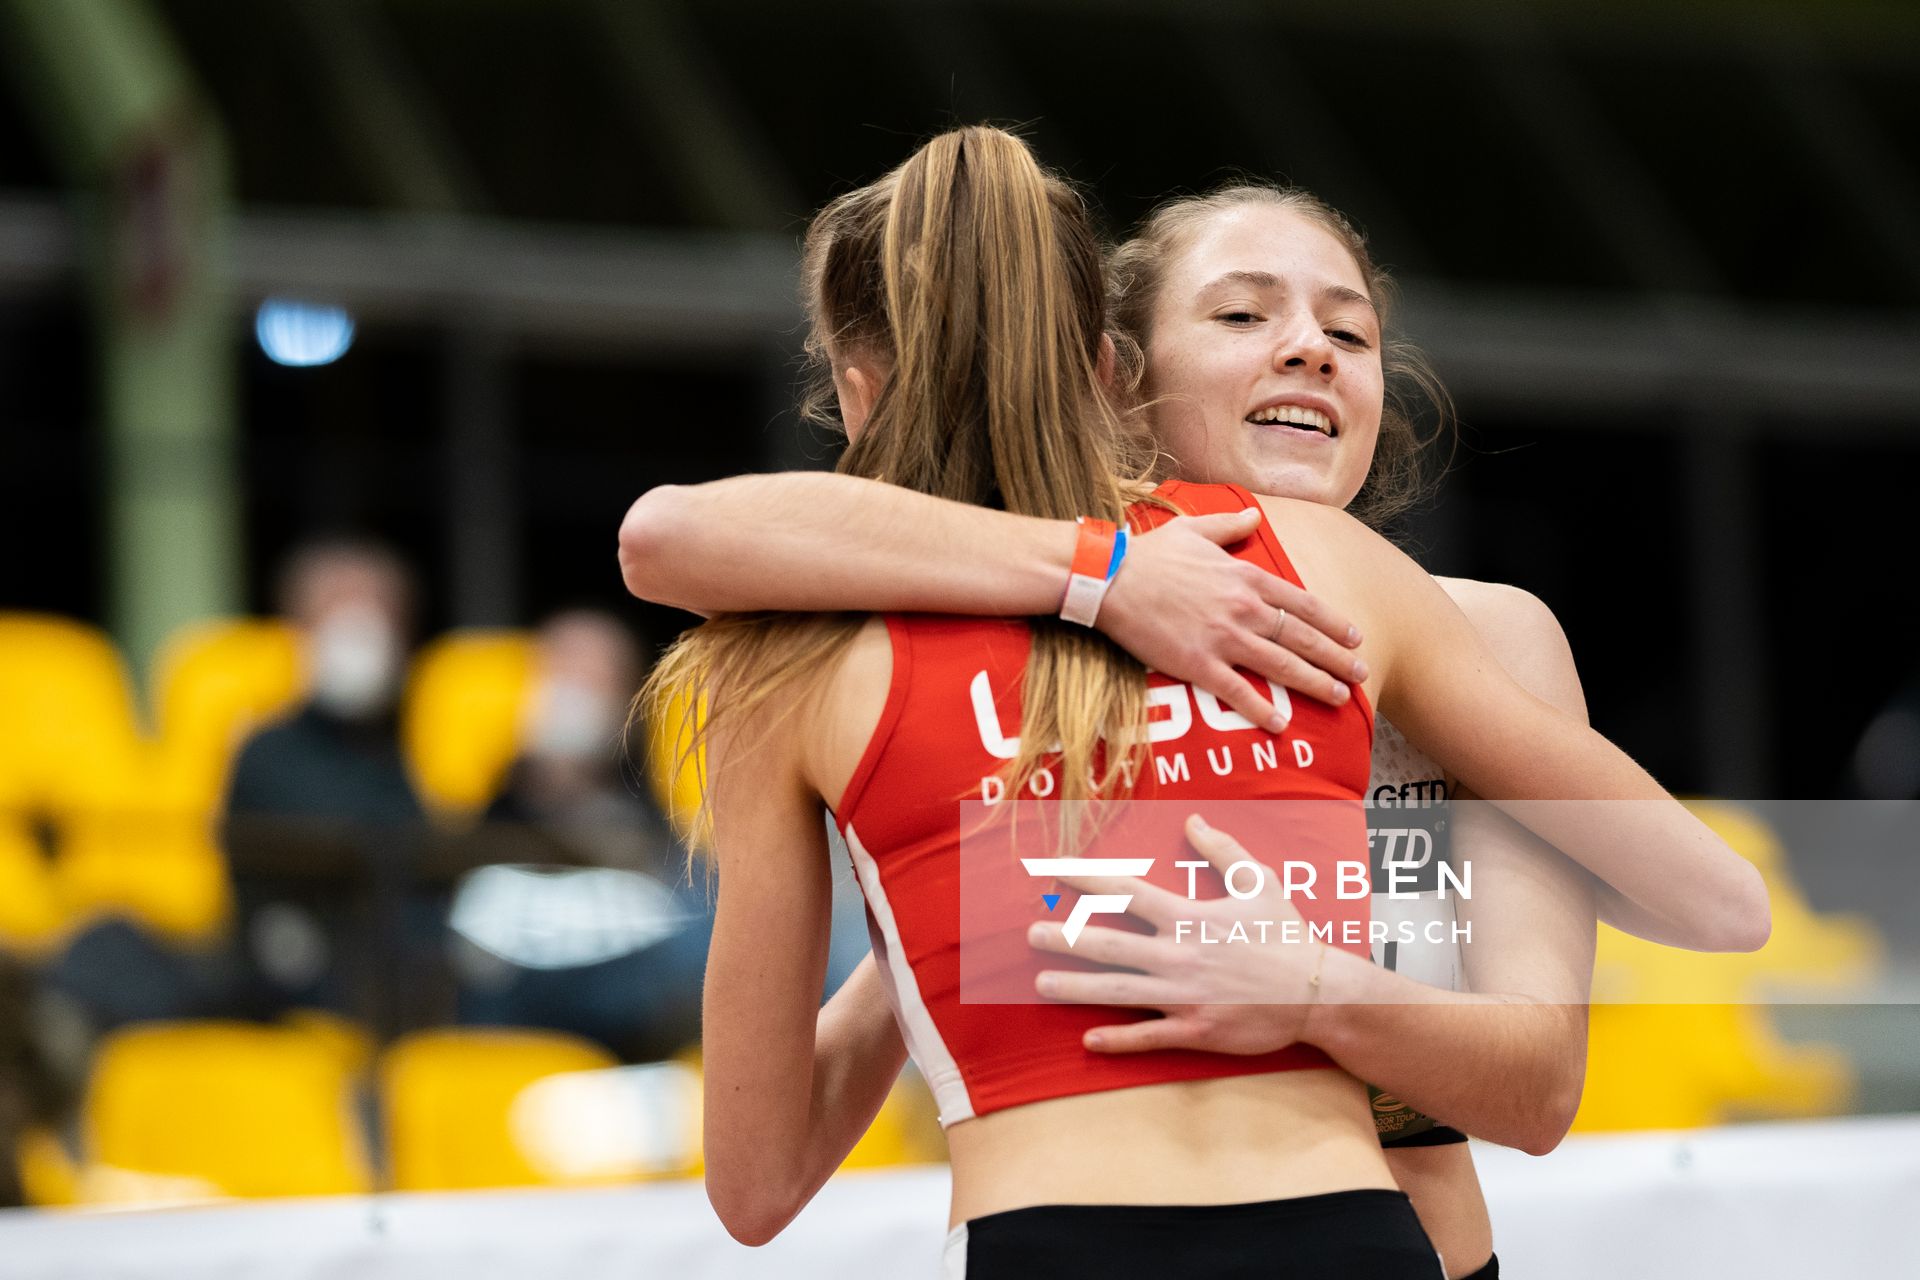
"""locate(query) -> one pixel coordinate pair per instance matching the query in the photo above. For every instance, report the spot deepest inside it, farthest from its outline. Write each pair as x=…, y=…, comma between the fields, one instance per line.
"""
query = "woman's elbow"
x=747, y=1211
x=1555, y=1118
x=1542, y=1141
x=651, y=525
x=1733, y=918
x=1546, y=1124
x=752, y=1231
x=1745, y=919
x=1536, y=1131
x=1754, y=924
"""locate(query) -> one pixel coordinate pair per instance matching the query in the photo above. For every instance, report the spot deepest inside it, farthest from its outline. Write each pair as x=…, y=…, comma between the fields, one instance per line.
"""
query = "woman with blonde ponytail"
x=968, y=277
x=957, y=305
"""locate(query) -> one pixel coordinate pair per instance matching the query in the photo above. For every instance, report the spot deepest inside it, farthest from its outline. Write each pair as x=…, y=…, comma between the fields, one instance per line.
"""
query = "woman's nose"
x=1305, y=347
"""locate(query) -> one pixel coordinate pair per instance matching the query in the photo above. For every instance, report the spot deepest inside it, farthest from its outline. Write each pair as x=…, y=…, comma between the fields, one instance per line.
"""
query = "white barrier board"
x=1828, y=1198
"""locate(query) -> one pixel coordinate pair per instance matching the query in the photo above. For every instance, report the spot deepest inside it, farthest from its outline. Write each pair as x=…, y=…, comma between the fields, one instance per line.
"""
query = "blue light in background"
x=302, y=334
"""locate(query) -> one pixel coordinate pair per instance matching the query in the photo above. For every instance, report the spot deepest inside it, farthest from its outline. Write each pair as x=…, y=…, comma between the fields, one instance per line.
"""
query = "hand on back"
x=1187, y=608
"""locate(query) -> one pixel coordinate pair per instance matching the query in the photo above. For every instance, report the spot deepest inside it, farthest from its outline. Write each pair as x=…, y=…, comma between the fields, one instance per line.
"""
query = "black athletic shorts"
x=1343, y=1235
x=1489, y=1272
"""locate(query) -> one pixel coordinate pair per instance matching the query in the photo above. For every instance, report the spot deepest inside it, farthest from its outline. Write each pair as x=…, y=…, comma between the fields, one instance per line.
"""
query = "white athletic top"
x=1408, y=826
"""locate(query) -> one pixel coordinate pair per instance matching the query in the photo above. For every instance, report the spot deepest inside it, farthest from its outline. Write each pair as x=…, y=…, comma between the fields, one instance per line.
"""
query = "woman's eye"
x=1347, y=336
x=1239, y=317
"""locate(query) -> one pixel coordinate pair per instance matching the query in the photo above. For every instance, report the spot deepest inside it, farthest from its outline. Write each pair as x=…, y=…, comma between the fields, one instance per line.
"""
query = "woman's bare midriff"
x=1234, y=1140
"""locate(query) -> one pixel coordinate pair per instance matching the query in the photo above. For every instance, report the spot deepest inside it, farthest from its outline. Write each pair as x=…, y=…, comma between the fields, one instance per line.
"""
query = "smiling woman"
x=1212, y=333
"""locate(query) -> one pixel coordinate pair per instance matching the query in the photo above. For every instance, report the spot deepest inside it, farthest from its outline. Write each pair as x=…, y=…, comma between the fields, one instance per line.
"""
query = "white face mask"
x=355, y=657
x=573, y=722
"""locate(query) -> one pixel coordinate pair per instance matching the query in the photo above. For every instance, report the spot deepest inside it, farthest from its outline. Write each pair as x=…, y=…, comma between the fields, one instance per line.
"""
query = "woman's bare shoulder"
x=868, y=659
x=1300, y=511
x=1500, y=606
x=1333, y=527
x=1524, y=635
x=850, y=705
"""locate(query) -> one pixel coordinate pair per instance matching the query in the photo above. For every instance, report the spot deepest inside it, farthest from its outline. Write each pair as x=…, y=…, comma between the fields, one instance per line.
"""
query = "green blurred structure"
x=121, y=111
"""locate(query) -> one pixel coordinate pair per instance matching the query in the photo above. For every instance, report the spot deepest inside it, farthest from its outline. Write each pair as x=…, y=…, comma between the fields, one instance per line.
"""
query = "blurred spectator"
x=324, y=833
x=569, y=781
x=29, y=1092
x=584, y=921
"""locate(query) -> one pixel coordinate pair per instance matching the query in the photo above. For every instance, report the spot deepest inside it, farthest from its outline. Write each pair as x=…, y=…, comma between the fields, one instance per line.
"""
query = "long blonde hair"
x=975, y=278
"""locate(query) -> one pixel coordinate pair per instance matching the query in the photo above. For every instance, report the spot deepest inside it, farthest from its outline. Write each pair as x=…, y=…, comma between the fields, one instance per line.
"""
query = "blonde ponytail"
x=975, y=278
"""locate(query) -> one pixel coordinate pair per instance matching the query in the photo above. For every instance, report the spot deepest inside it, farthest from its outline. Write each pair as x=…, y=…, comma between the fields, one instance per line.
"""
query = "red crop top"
x=943, y=737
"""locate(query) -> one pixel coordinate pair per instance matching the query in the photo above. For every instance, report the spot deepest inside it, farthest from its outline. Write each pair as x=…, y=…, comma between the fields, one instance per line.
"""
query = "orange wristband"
x=1087, y=579
x=1094, y=549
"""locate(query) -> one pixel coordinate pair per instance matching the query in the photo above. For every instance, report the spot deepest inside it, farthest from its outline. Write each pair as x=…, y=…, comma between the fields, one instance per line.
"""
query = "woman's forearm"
x=766, y=965
x=769, y=1154
x=1504, y=1067
x=1664, y=861
x=1507, y=1063
x=857, y=1058
x=814, y=540
x=1500, y=1067
x=1453, y=700
x=1180, y=603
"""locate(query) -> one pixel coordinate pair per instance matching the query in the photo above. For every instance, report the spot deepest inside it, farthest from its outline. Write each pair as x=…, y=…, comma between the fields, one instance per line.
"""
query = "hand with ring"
x=1189, y=609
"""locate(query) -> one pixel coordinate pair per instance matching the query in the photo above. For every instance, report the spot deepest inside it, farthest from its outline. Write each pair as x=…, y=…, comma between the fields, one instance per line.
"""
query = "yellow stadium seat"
x=213, y=684
x=674, y=774
x=72, y=754
x=906, y=1131
x=70, y=739
x=1680, y=1066
x=449, y=1100
x=461, y=718
x=161, y=867
x=1810, y=951
x=48, y=1176
x=244, y=1110
x=30, y=912
x=1680, y=1039
x=350, y=1043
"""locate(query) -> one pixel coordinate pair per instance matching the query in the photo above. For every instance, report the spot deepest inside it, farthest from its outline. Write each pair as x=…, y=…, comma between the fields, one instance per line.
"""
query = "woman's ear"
x=857, y=389
x=1107, y=362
